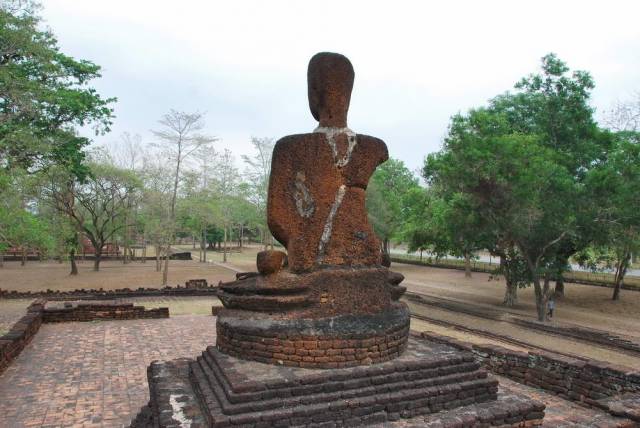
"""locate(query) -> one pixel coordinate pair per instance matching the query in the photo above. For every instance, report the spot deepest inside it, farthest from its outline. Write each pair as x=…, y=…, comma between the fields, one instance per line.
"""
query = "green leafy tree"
x=44, y=94
x=522, y=161
x=554, y=106
x=97, y=206
x=386, y=203
x=20, y=226
x=616, y=194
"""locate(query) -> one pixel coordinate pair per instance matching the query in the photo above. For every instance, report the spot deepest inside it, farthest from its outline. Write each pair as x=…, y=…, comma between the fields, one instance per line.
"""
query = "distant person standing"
x=551, y=305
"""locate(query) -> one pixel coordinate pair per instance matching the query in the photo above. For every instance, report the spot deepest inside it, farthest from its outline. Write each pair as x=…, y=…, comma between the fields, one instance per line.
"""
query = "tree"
x=516, y=186
x=97, y=206
x=20, y=226
x=44, y=94
x=63, y=234
x=624, y=115
x=523, y=161
x=257, y=174
x=386, y=206
x=226, y=187
x=616, y=192
x=444, y=227
x=179, y=138
x=554, y=106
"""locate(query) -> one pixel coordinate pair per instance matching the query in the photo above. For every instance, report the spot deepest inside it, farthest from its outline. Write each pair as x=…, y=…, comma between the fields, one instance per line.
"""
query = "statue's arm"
x=276, y=199
x=368, y=154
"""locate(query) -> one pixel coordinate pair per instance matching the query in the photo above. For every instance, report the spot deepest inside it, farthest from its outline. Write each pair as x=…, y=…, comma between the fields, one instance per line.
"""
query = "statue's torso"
x=316, y=203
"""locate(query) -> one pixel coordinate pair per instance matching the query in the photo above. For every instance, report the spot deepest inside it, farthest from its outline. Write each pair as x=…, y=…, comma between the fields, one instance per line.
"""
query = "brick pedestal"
x=331, y=342
x=219, y=390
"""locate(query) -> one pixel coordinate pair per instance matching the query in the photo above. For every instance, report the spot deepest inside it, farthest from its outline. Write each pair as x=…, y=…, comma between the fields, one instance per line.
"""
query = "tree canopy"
x=44, y=95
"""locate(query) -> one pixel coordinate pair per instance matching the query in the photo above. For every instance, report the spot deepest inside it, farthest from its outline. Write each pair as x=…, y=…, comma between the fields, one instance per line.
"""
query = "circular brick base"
x=341, y=341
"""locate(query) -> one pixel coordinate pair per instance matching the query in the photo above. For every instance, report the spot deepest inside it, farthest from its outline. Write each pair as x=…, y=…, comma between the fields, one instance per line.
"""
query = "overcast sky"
x=417, y=63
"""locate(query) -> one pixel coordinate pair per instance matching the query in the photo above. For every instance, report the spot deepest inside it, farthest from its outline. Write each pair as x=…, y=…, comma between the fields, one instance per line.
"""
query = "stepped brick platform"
x=219, y=390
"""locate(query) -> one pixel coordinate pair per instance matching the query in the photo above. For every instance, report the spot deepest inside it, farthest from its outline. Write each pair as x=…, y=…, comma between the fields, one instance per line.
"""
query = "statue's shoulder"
x=295, y=142
x=373, y=145
x=293, y=139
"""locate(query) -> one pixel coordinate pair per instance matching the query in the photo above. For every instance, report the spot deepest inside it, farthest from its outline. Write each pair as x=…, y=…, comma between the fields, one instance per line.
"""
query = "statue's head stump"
x=330, y=81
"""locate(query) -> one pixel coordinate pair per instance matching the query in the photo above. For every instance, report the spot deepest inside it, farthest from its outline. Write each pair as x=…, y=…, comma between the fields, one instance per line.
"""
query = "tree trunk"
x=540, y=300
x=264, y=239
x=559, y=290
x=97, y=260
x=224, y=250
x=541, y=297
x=1, y=260
x=23, y=259
x=165, y=272
x=203, y=246
x=385, y=246
x=241, y=235
x=510, y=294
x=467, y=265
x=158, y=263
x=621, y=270
x=421, y=255
x=72, y=259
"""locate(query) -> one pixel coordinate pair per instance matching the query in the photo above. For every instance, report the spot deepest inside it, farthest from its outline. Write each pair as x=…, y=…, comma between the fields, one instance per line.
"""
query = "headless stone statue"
x=316, y=204
x=331, y=286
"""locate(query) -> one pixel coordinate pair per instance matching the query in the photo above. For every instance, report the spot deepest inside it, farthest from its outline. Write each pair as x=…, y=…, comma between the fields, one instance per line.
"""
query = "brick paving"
x=94, y=374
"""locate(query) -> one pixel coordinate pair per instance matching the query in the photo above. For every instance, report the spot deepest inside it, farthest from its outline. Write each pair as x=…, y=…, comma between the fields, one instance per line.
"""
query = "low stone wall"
x=583, y=381
x=599, y=337
x=12, y=343
x=192, y=289
x=93, y=312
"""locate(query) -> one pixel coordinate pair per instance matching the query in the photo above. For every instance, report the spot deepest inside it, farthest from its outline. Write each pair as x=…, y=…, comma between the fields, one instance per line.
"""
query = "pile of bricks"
x=101, y=311
x=196, y=283
x=296, y=350
x=587, y=382
x=12, y=343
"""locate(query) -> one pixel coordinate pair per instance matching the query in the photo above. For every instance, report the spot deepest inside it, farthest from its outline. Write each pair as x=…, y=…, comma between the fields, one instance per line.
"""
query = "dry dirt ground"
x=583, y=304
x=40, y=276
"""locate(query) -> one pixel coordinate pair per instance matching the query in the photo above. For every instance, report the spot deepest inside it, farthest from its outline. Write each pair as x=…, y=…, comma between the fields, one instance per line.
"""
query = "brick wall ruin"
x=12, y=343
x=588, y=382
